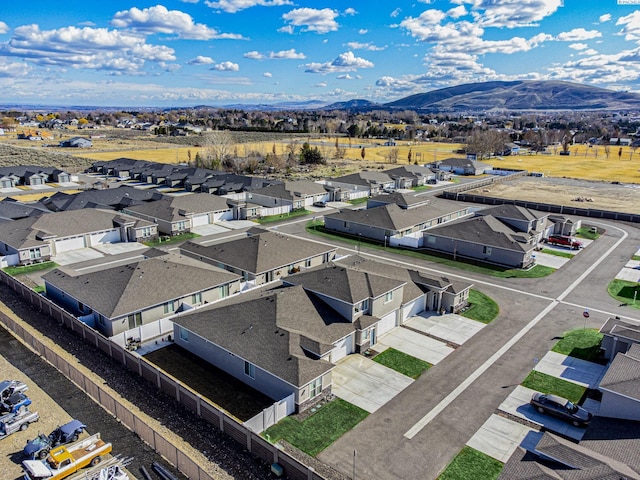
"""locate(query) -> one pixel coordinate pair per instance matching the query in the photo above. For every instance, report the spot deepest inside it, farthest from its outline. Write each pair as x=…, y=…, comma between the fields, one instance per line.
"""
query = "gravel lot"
x=222, y=457
x=566, y=191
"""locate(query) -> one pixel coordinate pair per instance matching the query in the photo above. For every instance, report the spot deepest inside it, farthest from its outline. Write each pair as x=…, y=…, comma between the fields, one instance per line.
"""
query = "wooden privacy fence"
x=190, y=399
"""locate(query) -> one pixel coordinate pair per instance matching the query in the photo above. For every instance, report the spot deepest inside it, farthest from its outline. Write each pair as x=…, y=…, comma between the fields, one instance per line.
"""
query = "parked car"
x=14, y=403
x=40, y=446
x=17, y=421
x=561, y=408
x=564, y=241
x=320, y=204
x=9, y=387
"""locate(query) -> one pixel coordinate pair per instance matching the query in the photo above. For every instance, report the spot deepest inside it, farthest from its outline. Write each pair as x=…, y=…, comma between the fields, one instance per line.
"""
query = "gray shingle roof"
x=365, y=178
x=623, y=376
x=270, y=329
x=404, y=200
x=292, y=190
x=175, y=208
x=130, y=288
x=346, y=284
x=259, y=253
x=485, y=230
x=515, y=212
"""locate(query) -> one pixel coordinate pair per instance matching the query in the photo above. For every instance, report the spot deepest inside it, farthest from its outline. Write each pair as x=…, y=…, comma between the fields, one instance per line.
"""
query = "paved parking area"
x=414, y=344
x=549, y=260
x=450, y=327
x=365, y=383
x=119, y=248
x=77, y=256
x=587, y=374
x=518, y=404
x=499, y=437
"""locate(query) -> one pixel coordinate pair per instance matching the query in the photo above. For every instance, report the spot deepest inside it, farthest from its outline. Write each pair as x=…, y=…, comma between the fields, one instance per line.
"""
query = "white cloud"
x=578, y=46
x=91, y=48
x=4, y=28
x=597, y=68
x=345, y=76
x=395, y=13
x=457, y=12
x=233, y=6
x=345, y=62
x=510, y=13
x=630, y=26
x=254, y=55
x=287, y=55
x=13, y=69
x=364, y=46
x=589, y=51
x=363, y=31
x=320, y=21
x=200, y=60
x=227, y=67
x=350, y=11
x=320, y=85
x=604, y=18
x=577, y=35
x=267, y=74
x=287, y=29
x=159, y=19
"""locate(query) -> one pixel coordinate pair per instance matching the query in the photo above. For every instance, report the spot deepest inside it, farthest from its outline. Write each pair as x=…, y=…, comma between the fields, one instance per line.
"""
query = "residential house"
x=13, y=210
x=483, y=238
x=31, y=175
x=263, y=256
x=620, y=386
x=409, y=176
x=292, y=195
x=462, y=166
x=39, y=239
x=403, y=200
x=77, y=142
x=520, y=219
x=358, y=185
x=390, y=220
x=179, y=214
x=110, y=198
x=618, y=336
x=118, y=299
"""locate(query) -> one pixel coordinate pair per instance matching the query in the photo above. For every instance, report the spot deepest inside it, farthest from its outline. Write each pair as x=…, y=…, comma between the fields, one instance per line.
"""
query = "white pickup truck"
x=17, y=421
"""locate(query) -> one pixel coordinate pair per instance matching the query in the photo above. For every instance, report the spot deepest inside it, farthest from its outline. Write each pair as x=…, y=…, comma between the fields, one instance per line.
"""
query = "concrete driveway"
x=582, y=372
x=549, y=260
x=77, y=256
x=450, y=327
x=518, y=404
x=365, y=383
x=414, y=344
x=499, y=437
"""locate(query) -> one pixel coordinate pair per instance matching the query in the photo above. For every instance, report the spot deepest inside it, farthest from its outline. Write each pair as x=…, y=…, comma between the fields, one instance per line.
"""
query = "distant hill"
x=518, y=95
x=356, y=104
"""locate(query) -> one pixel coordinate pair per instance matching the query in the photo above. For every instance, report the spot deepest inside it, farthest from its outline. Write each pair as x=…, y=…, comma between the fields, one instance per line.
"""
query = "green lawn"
x=635, y=257
x=557, y=253
x=624, y=292
x=581, y=343
x=183, y=237
x=585, y=232
x=470, y=464
x=36, y=267
x=539, y=271
x=541, y=382
x=358, y=201
x=301, y=212
x=483, y=308
x=401, y=362
x=320, y=430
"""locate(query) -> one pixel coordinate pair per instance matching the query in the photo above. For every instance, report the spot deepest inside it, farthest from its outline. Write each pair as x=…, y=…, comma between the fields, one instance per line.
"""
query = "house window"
x=346, y=224
x=35, y=253
x=224, y=291
x=169, y=307
x=307, y=263
x=181, y=226
x=431, y=240
x=135, y=320
x=363, y=306
x=196, y=298
x=184, y=334
x=250, y=370
x=315, y=387
x=486, y=250
x=388, y=297
x=101, y=320
x=146, y=232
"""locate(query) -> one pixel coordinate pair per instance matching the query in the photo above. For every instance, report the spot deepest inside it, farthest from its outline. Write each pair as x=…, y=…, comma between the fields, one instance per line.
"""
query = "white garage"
x=387, y=323
x=69, y=244
x=411, y=309
x=200, y=220
x=225, y=215
x=108, y=236
x=342, y=348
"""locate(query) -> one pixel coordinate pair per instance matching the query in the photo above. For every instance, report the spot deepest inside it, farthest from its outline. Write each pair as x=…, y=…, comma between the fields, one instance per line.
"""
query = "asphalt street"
x=404, y=438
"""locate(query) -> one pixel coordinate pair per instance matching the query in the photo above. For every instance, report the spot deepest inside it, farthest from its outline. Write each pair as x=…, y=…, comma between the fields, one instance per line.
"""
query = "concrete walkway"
x=414, y=344
x=365, y=383
x=582, y=372
x=451, y=327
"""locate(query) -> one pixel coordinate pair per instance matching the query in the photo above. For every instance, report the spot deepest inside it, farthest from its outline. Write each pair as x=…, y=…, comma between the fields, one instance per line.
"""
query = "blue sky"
x=219, y=52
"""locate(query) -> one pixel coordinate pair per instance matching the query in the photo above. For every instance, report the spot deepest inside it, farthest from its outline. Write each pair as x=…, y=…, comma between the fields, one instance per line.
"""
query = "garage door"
x=226, y=215
x=412, y=309
x=112, y=236
x=69, y=244
x=343, y=348
x=199, y=220
x=386, y=323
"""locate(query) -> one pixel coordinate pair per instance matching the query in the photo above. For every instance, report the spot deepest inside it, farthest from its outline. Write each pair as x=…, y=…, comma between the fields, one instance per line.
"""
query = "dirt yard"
x=570, y=192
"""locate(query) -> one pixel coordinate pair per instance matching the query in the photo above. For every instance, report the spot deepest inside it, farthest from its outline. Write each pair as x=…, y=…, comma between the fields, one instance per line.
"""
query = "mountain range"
x=523, y=95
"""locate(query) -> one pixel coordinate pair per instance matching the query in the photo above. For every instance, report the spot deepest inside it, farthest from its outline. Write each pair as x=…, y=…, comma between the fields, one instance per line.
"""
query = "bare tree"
x=218, y=146
x=484, y=143
x=392, y=155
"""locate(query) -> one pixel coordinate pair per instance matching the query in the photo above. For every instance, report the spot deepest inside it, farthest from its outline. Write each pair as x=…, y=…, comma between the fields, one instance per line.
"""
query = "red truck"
x=564, y=241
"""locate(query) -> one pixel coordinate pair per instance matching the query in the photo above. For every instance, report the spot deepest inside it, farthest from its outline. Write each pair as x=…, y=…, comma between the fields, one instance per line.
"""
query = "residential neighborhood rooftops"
x=364, y=178
x=175, y=208
x=275, y=329
x=124, y=289
x=623, y=375
x=259, y=253
x=621, y=328
x=403, y=200
x=509, y=210
x=116, y=198
x=292, y=190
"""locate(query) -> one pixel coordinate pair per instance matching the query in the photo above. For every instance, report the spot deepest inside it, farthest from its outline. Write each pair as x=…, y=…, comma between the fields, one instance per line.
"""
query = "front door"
x=373, y=337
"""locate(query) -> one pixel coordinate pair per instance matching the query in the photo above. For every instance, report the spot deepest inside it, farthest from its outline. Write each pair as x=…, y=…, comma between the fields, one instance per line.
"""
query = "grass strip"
x=470, y=464
x=482, y=308
x=541, y=382
x=401, y=362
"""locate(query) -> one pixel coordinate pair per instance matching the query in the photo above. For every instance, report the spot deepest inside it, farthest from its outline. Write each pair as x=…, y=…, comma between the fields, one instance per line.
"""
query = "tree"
x=392, y=155
x=484, y=143
x=310, y=155
x=363, y=154
x=218, y=145
x=409, y=156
